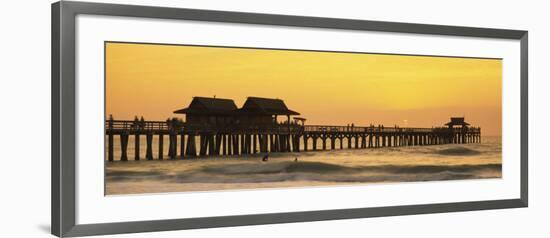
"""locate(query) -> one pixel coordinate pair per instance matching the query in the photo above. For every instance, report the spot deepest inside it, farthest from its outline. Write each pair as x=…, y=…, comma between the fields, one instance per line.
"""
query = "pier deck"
x=200, y=140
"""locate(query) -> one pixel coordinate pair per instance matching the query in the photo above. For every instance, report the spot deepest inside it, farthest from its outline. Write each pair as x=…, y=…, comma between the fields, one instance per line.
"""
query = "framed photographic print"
x=245, y=118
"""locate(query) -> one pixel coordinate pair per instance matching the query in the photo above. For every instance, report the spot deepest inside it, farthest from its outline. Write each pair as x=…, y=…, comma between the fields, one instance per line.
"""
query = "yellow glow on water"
x=325, y=87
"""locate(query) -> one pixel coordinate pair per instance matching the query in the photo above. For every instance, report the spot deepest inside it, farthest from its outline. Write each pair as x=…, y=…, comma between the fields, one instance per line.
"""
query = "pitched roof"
x=209, y=106
x=266, y=106
x=457, y=121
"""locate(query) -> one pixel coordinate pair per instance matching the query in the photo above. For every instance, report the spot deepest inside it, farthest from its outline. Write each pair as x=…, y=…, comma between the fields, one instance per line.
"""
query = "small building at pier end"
x=211, y=112
x=261, y=112
x=457, y=122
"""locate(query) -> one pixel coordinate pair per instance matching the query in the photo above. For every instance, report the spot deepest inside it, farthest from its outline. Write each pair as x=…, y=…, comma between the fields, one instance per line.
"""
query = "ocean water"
x=319, y=168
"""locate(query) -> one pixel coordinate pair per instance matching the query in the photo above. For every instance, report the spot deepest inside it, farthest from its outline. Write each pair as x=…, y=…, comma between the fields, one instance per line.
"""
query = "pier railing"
x=136, y=125
x=324, y=128
x=167, y=126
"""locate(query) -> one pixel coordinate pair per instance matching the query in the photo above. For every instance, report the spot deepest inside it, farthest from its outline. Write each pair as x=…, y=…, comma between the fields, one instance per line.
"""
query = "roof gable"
x=267, y=106
x=457, y=121
x=214, y=106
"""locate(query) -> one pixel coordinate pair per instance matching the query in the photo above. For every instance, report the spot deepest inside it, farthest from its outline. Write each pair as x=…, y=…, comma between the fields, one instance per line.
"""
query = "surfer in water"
x=265, y=158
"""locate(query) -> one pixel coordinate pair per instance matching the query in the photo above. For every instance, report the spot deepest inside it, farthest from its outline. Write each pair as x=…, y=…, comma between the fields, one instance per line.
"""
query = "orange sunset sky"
x=325, y=87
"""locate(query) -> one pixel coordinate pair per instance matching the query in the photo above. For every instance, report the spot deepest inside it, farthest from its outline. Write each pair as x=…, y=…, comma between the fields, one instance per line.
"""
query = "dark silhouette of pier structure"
x=216, y=127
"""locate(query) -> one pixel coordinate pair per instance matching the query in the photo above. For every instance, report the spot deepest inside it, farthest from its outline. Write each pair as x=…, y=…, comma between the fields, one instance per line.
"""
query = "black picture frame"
x=64, y=132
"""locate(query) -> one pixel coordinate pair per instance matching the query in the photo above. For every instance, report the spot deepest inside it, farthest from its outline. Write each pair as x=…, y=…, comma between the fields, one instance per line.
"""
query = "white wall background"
x=25, y=107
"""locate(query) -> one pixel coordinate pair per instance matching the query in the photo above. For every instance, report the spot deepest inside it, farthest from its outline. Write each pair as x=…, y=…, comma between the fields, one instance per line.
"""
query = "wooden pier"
x=190, y=141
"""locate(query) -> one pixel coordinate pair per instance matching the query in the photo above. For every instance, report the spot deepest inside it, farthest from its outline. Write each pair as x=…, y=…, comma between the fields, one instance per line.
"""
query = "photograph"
x=190, y=118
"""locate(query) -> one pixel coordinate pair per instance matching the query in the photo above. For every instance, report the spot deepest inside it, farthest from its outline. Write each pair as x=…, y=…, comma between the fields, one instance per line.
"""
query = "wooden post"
x=224, y=144
x=305, y=142
x=229, y=144
x=136, y=145
x=243, y=144
x=297, y=143
x=161, y=146
x=254, y=144
x=149, y=140
x=275, y=143
x=282, y=143
x=211, y=145
x=270, y=143
x=203, y=145
x=244, y=149
x=124, y=146
x=261, y=143
x=236, y=149
x=248, y=139
x=191, y=146
x=173, y=144
x=400, y=139
x=170, y=147
x=370, y=141
x=248, y=143
x=217, y=144
x=265, y=143
x=286, y=143
x=110, y=146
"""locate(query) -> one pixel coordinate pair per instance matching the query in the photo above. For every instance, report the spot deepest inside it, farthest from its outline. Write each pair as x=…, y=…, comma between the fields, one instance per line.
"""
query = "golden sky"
x=325, y=87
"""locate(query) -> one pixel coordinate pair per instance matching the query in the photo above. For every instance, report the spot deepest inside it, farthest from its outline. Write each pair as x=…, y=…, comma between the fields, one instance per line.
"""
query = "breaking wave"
x=309, y=171
x=457, y=151
x=327, y=168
